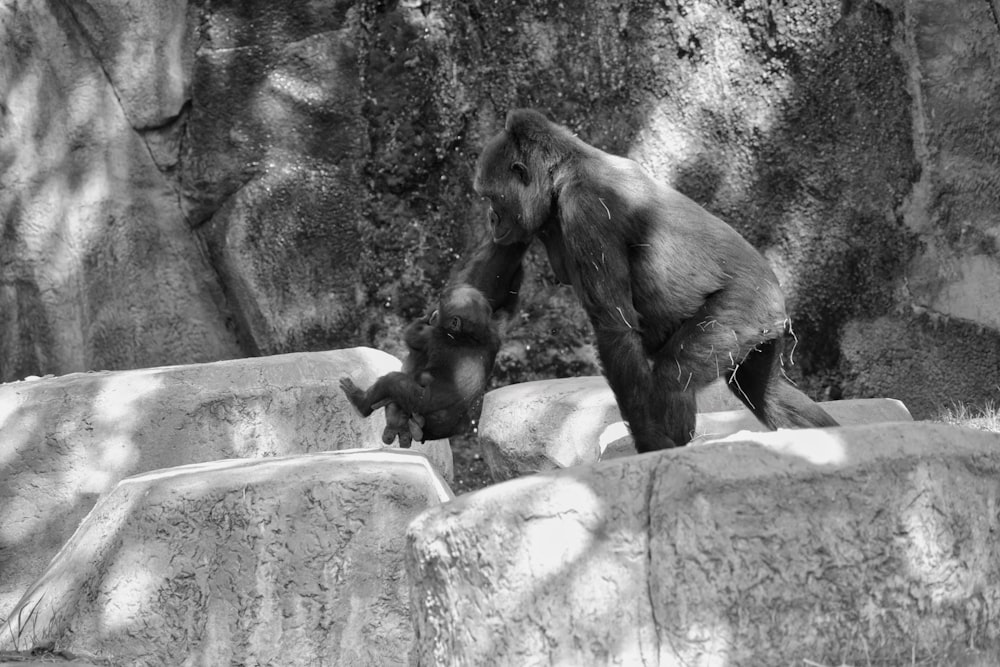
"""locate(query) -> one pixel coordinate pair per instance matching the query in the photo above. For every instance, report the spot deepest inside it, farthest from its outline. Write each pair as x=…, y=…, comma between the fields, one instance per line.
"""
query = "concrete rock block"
x=855, y=545
x=293, y=560
x=549, y=424
x=715, y=425
x=849, y=412
x=64, y=441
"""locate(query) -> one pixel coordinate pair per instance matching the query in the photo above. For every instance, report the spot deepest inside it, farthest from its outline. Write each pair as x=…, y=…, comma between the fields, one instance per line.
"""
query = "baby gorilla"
x=399, y=423
x=451, y=358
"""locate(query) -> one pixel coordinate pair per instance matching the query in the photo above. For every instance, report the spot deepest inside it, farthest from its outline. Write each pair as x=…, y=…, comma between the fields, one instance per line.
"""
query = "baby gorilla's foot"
x=355, y=396
x=396, y=425
x=416, y=425
x=401, y=424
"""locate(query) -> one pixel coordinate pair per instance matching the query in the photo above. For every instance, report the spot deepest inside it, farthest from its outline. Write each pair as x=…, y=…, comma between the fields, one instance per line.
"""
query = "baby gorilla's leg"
x=395, y=387
x=358, y=398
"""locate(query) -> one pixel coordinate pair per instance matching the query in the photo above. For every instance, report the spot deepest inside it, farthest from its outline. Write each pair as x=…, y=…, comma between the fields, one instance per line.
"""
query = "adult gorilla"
x=676, y=296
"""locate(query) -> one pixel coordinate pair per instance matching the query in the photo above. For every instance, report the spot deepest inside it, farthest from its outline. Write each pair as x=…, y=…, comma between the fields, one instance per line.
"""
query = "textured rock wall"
x=857, y=545
x=66, y=441
x=97, y=267
x=199, y=180
x=289, y=561
x=939, y=342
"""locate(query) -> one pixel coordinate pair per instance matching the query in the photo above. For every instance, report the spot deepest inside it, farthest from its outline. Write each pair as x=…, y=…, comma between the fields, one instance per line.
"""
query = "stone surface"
x=185, y=181
x=549, y=424
x=271, y=168
x=65, y=441
x=98, y=269
x=18, y=659
x=856, y=545
x=955, y=204
x=848, y=412
x=925, y=362
x=146, y=52
x=295, y=560
x=715, y=425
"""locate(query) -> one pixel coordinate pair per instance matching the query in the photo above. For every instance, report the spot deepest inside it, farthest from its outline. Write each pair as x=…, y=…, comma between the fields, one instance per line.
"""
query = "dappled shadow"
x=295, y=556
x=98, y=264
x=271, y=167
x=68, y=441
x=540, y=566
x=790, y=122
x=839, y=546
x=781, y=113
x=101, y=271
x=789, y=187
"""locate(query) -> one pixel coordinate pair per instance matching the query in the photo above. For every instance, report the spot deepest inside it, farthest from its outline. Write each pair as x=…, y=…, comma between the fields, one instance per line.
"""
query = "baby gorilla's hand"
x=398, y=423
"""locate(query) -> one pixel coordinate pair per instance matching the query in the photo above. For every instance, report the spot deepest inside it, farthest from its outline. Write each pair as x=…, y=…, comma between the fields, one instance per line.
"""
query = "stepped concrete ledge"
x=66, y=440
x=616, y=441
x=872, y=544
x=550, y=424
x=285, y=561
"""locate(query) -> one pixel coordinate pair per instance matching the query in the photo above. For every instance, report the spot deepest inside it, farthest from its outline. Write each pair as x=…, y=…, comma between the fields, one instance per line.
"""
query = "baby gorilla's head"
x=463, y=308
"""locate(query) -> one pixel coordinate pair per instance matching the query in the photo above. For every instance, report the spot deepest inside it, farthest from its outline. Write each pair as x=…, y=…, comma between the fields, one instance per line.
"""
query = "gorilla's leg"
x=396, y=387
x=760, y=384
x=700, y=351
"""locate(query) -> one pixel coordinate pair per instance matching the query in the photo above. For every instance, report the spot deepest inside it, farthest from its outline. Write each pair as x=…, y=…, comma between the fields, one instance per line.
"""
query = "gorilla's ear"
x=455, y=324
x=521, y=171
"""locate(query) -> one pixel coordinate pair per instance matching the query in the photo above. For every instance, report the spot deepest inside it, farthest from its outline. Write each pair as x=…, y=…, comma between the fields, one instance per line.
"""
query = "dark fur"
x=676, y=296
x=399, y=423
x=451, y=357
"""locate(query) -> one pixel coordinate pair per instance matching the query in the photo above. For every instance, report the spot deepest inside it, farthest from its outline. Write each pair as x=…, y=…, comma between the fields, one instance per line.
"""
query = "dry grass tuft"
x=986, y=418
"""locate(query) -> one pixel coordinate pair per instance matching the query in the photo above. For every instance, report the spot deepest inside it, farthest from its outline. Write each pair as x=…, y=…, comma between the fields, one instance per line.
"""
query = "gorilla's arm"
x=496, y=271
x=595, y=259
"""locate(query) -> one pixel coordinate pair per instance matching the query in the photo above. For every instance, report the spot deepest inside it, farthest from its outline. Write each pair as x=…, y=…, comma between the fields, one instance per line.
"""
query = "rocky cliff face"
x=197, y=181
